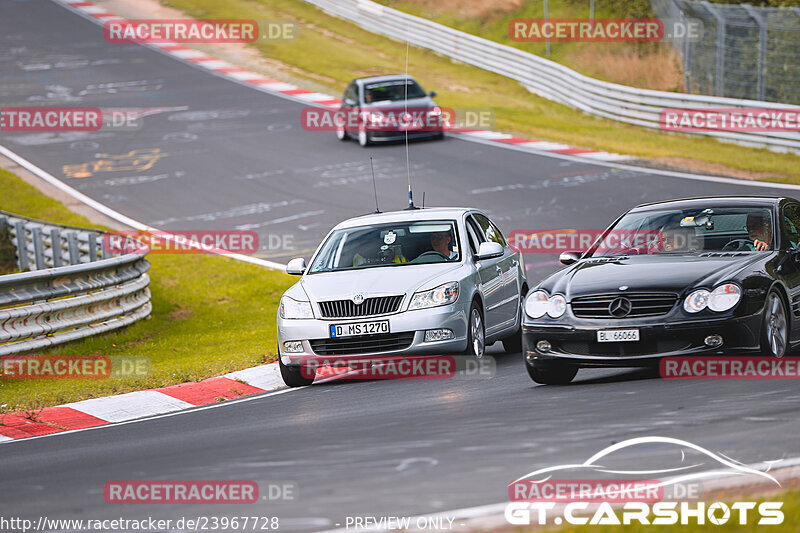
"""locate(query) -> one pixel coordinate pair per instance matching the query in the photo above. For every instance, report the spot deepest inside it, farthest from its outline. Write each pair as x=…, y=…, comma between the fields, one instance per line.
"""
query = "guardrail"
x=641, y=107
x=69, y=286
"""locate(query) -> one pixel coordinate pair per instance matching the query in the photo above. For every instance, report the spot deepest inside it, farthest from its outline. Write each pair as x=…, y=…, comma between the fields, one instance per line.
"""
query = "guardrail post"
x=55, y=244
x=92, y=247
x=762, y=47
x=719, y=82
x=38, y=248
x=22, y=245
x=72, y=244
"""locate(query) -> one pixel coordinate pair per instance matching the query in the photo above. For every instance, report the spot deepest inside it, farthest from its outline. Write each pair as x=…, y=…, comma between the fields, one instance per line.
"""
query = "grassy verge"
x=211, y=315
x=329, y=52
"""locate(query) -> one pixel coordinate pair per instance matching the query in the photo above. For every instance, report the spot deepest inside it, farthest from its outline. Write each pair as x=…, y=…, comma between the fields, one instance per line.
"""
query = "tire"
x=363, y=136
x=513, y=344
x=552, y=374
x=476, y=332
x=294, y=376
x=775, y=326
x=341, y=134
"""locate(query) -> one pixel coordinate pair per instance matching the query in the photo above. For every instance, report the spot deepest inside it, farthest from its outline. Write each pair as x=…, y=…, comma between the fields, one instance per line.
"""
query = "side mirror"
x=296, y=266
x=567, y=258
x=349, y=102
x=489, y=250
x=433, y=93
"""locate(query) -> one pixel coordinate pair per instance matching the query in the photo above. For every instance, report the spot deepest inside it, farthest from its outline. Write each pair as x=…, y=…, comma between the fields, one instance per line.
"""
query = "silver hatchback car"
x=435, y=281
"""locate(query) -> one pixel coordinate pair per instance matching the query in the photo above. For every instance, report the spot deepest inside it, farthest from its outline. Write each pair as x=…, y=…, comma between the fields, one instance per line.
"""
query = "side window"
x=791, y=224
x=491, y=231
x=473, y=235
x=351, y=92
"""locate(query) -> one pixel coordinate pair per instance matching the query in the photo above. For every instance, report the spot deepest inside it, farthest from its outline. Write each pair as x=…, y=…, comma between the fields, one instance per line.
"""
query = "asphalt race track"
x=231, y=157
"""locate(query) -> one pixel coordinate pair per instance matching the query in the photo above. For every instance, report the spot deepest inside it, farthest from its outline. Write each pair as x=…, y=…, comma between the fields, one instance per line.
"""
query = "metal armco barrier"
x=551, y=80
x=69, y=287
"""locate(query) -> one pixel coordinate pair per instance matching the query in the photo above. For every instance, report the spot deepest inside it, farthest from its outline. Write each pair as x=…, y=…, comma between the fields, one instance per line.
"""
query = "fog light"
x=293, y=346
x=543, y=346
x=713, y=341
x=433, y=335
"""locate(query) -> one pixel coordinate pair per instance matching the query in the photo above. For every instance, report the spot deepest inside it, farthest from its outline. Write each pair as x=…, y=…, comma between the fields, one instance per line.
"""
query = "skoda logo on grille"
x=620, y=307
x=358, y=299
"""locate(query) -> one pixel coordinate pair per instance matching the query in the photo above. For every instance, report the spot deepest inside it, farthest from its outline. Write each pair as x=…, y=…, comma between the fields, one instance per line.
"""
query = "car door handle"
x=515, y=262
x=499, y=270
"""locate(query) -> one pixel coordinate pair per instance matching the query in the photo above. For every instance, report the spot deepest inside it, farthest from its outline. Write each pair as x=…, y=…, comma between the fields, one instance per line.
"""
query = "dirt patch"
x=180, y=314
x=656, y=68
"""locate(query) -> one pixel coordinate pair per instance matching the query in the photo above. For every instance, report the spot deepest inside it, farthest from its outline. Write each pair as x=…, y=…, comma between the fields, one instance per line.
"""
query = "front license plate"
x=618, y=335
x=359, y=328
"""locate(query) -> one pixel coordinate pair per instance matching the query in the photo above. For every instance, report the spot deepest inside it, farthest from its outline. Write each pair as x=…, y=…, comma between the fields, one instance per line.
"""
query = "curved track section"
x=225, y=156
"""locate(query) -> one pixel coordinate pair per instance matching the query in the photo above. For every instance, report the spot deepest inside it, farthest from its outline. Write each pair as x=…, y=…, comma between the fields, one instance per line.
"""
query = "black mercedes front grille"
x=641, y=304
x=364, y=345
x=370, y=307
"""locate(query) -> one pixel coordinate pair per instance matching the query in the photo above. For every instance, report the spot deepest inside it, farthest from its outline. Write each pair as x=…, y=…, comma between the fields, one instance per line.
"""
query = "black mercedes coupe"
x=698, y=276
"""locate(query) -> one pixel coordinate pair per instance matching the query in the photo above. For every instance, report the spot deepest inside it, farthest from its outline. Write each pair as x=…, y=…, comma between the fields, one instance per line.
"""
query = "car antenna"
x=408, y=165
x=374, y=187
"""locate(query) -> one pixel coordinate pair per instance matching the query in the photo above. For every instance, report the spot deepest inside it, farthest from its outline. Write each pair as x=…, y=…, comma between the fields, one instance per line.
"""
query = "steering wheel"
x=433, y=252
x=739, y=245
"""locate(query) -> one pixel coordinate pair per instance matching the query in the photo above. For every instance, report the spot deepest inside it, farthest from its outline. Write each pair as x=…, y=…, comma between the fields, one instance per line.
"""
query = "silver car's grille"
x=380, y=305
x=640, y=305
x=368, y=344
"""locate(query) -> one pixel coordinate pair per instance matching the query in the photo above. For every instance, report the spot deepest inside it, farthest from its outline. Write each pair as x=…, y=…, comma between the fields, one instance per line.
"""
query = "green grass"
x=329, y=52
x=211, y=315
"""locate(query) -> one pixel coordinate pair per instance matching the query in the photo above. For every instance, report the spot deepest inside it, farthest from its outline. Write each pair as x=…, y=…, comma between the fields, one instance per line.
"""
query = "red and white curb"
x=287, y=90
x=140, y=404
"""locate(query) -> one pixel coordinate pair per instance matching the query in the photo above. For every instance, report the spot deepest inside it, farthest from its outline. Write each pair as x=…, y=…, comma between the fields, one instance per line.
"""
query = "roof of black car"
x=732, y=201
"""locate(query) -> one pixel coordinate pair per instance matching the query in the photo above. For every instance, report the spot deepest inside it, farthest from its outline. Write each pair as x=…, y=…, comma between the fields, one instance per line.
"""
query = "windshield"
x=393, y=244
x=688, y=231
x=392, y=91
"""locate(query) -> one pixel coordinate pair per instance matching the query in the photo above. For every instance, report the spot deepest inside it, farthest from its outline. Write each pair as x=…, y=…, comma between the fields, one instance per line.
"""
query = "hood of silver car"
x=377, y=281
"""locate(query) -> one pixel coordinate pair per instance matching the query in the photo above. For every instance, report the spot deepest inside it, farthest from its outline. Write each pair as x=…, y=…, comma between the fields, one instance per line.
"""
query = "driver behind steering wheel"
x=759, y=231
x=440, y=242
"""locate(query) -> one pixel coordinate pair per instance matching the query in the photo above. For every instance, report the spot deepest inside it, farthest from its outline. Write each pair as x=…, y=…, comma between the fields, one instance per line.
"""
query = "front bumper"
x=400, y=135
x=416, y=322
x=577, y=343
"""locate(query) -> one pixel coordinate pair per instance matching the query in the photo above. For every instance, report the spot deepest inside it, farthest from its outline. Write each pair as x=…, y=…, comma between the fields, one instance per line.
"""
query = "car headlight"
x=441, y=295
x=556, y=306
x=724, y=297
x=291, y=308
x=696, y=301
x=538, y=303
